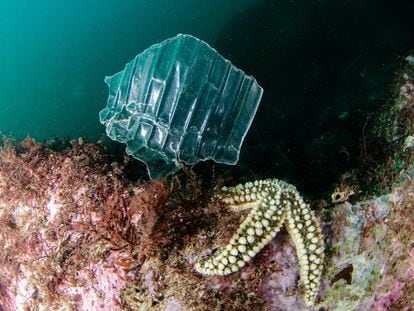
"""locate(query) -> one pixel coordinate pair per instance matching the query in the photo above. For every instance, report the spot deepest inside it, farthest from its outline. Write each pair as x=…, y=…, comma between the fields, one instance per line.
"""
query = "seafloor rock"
x=372, y=263
x=77, y=234
x=70, y=227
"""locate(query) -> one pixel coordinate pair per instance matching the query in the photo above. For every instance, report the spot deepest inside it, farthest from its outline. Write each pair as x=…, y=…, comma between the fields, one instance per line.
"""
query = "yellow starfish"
x=274, y=203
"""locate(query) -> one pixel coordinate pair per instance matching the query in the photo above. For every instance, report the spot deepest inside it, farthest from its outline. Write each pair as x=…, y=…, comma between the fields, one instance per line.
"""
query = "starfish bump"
x=273, y=203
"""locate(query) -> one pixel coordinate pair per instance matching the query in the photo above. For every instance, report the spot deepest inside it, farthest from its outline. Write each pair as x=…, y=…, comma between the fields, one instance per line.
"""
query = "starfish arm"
x=306, y=234
x=239, y=198
x=260, y=226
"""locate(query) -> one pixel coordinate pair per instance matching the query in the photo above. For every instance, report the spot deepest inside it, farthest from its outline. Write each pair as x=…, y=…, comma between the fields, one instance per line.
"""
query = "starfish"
x=273, y=203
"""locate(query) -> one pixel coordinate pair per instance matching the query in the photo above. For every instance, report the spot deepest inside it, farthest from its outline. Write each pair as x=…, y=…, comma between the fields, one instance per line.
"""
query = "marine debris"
x=180, y=101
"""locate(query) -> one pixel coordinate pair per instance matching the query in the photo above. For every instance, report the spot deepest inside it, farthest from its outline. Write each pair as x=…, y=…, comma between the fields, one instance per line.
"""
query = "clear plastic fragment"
x=180, y=101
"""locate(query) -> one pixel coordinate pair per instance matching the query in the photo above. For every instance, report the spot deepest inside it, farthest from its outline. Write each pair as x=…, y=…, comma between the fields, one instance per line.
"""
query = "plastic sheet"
x=177, y=102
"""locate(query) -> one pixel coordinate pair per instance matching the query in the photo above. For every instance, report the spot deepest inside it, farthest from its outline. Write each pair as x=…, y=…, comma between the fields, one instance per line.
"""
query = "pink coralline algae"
x=70, y=227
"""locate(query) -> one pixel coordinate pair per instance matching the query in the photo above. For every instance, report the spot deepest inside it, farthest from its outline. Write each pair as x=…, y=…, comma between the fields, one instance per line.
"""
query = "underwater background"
x=324, y=66
x=55, y=54
x=327, y=166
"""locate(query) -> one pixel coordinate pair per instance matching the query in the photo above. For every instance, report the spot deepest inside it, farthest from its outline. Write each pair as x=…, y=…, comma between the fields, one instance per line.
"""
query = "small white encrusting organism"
x=273, y=203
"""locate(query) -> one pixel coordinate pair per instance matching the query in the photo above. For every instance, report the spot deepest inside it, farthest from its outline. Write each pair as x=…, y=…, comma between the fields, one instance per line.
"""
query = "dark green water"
x=325, y=67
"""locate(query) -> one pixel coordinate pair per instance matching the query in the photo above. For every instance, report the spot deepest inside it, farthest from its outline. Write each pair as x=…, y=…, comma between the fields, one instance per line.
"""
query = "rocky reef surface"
x=78, y=233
